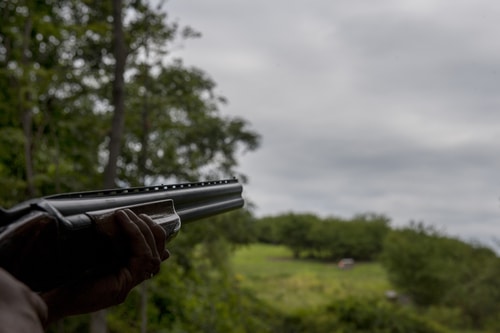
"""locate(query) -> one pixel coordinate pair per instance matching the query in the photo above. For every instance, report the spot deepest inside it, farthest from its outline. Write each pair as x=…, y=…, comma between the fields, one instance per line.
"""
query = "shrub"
x=435, y=270
x=355, y=315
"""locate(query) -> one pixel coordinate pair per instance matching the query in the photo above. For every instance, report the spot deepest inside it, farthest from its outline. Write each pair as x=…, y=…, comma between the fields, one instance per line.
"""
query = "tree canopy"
x=58, y=63
x=90, y=97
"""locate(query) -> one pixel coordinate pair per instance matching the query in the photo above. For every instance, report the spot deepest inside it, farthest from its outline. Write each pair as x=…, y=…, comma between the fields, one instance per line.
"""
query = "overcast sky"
x=386, y=106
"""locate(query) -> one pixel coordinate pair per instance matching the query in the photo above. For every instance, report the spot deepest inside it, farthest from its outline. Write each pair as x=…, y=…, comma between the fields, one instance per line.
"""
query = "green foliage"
x=56, y=70
x=268, y=229
x=450, y=281
x=479, y=297
x=56, y=74
x=367, y=315
x=318, y=297
x=447, y=316
x=41, y=97
x=76, y=324
x=415, y=262
x=332, y=238
x=195, y=291
x=296, y=230
x=187, y=138
x=359, y=315
x=434, y=269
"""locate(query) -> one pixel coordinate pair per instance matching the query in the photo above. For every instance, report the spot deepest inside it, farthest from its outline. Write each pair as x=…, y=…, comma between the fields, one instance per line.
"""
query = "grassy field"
x=275, y=277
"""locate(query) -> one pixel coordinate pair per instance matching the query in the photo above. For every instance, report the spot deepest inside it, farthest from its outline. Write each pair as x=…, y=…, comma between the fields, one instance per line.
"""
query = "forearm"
x=21, y=310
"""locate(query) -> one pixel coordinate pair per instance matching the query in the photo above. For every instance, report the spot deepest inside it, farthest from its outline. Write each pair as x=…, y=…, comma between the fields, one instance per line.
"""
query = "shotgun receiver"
x=75, y=243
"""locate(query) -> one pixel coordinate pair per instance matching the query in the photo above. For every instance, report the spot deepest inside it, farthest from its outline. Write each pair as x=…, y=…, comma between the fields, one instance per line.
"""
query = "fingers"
x=141, y=263
x=159, y=234
x=147, y=232
x=146, y=242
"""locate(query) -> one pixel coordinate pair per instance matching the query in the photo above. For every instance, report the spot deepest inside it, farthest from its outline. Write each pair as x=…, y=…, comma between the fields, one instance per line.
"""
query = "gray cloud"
x=390, y=107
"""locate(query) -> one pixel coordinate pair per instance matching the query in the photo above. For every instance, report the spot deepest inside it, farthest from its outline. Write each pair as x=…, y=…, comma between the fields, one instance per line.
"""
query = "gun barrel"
x=192, y=200
x=80, y=249
x=188, y=213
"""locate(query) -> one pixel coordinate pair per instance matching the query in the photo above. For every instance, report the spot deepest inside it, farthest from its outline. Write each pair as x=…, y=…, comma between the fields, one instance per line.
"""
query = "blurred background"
x=366, y=133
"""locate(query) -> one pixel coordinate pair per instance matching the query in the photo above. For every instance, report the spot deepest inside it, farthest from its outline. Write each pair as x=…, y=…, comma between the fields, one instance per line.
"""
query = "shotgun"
x=68, y=220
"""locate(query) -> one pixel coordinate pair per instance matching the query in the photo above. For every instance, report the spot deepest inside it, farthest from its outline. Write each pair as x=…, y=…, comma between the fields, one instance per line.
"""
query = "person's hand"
x=146, y=250
x=21, y=310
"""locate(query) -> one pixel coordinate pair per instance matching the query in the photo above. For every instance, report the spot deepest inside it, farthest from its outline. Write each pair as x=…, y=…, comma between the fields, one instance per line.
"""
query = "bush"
x=416, y=264
x=452, y=317
x=354, y=315
x=435, y=270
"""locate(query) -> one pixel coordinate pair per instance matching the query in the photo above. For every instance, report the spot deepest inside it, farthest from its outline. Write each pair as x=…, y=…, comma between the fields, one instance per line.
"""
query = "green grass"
x=272, y=274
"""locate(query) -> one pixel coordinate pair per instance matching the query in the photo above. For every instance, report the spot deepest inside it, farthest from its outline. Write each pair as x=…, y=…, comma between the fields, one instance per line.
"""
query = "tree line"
x=453, y=281
x=332, y=238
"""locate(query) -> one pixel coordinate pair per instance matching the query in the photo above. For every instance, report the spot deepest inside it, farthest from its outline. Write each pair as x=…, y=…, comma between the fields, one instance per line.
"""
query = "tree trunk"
x=98, y=322
x=25, y=109
x=27, y=120
x=144, y=307
x=144, y=137
x=120, y=54
x=145, y=123
x=98, y=319
x=143, y=156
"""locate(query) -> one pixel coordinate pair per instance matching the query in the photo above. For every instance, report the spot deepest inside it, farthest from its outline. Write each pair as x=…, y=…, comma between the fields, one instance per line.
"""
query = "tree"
x=438, y=270
x=296, y=232
x=40, y=88
x=188, y=139
x=118, y=96
x=415, y=263
x=77, y=67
